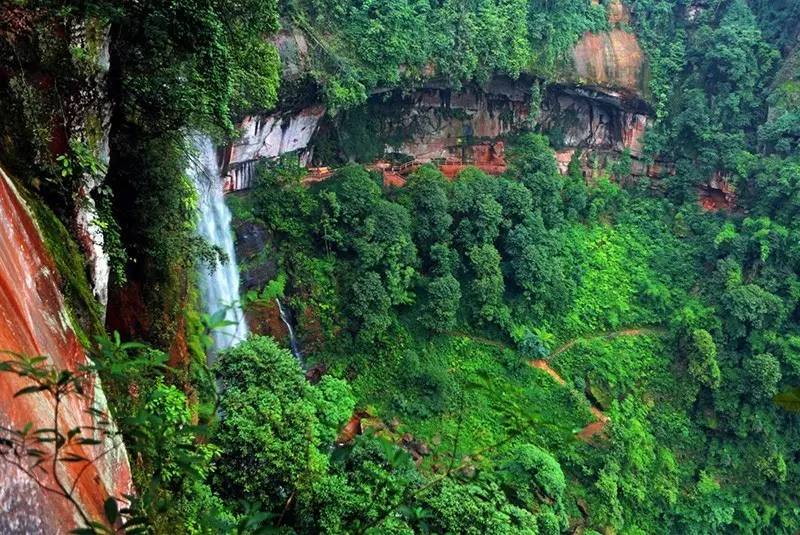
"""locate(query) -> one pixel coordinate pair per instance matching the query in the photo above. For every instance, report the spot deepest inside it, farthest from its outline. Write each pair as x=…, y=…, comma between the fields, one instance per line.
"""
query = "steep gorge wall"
x=33, y=322
x=597, y=102
x=53, y=86
x=91, y=125
x=438, y=123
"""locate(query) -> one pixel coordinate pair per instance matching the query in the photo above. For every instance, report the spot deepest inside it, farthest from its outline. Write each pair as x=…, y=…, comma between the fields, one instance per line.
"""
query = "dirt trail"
x=633, y=331
x=545, y=366
x=601, y=419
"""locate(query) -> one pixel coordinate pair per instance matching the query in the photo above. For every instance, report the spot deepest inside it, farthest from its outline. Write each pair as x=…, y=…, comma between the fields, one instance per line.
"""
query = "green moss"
x=84, y=310
x=94, y=132
x=95, y=37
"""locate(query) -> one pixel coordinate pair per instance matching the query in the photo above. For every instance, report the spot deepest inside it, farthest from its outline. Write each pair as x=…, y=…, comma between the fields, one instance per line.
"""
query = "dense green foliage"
x=361, y=46
x=673, y=323
x=723, y=65
x=530, y=353
x=677, y=324
x=628, y=295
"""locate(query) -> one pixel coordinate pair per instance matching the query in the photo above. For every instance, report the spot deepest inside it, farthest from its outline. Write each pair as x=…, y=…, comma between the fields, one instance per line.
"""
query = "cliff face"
x=598, y=104
x=33, y=321
x=437, y=122
x=63, y=63
x=612, y=60
x=601, y=123
x=268, y=136
x=593, y=120
x=91, y=125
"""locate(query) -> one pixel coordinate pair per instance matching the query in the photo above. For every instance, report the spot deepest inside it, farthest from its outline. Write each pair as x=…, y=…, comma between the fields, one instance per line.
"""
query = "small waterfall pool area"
x=219, y=283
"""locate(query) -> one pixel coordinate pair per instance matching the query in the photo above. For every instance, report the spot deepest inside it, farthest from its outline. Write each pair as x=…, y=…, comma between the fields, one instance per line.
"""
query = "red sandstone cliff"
x=612, y=60
x=33, y=321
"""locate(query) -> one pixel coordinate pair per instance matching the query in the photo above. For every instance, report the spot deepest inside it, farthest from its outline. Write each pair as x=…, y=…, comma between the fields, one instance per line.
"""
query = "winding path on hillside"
x=601, y=419
x=608, y=335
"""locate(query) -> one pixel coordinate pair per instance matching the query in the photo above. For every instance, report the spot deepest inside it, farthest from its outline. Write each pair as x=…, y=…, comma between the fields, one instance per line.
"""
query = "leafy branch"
x=43, y=453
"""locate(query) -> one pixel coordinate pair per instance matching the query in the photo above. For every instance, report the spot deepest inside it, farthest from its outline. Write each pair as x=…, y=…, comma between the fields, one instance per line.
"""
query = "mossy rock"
x=599, y=393
x=84, y=310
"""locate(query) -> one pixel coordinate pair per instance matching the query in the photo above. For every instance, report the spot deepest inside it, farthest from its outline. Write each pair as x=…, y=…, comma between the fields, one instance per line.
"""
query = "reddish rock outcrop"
x=445, y=124
x=718, y=194
x=265, y=319
x=351, y=429
x=600, y=105
x=33, y=322
x=610, y=60
x=490, y=157
x=458, y=128
x=563, y=158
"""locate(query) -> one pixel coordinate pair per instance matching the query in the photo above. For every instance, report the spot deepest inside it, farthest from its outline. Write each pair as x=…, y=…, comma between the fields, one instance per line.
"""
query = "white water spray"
x=295, y=347
x=219, y=284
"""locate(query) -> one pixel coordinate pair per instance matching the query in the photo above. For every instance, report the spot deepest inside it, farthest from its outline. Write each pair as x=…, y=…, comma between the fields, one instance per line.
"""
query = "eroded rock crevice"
x=465, y=127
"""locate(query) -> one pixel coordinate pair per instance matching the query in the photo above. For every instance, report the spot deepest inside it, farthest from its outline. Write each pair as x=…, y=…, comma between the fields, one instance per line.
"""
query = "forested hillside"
x=400, y=266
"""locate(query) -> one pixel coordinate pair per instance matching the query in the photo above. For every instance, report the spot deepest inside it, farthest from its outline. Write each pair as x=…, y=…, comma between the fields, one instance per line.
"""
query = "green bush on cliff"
x=361, y=47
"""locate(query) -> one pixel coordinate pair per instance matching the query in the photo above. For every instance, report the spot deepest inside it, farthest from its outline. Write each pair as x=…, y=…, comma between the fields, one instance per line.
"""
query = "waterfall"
x=295, y=347
x=219, y=283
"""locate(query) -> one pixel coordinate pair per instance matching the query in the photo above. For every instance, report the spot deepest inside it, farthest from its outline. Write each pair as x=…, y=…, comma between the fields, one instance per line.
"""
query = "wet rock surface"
x=592, y=119
x=33, y=322
x=256, y=255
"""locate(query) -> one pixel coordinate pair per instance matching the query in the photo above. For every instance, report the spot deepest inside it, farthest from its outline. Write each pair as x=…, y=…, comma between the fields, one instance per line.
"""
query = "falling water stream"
x=219, y=283
x=295, y=347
